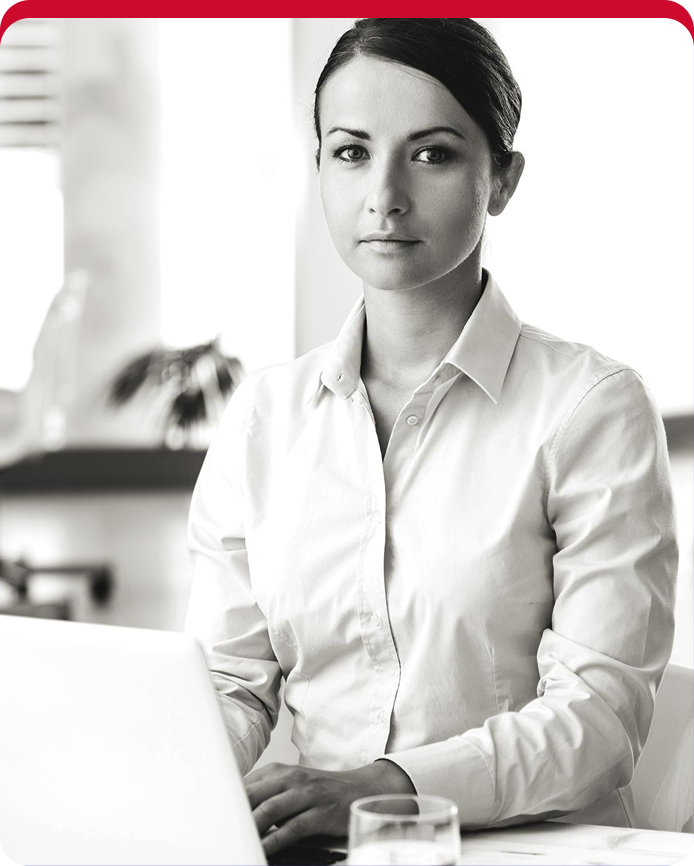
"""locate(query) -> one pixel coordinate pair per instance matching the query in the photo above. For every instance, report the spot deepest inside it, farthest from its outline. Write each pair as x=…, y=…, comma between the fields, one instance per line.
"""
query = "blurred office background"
x=158, y=190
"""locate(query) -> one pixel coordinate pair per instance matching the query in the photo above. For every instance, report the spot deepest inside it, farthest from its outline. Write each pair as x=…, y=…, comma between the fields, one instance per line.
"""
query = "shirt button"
x=375, y=621
x=379, y=716
x=412, y=420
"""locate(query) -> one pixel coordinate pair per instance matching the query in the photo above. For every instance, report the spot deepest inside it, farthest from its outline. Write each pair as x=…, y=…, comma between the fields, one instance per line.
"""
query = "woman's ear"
x=505, y=184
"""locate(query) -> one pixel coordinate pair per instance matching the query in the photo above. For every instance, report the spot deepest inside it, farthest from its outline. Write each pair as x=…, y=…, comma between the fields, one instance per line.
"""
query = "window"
x=31, y=211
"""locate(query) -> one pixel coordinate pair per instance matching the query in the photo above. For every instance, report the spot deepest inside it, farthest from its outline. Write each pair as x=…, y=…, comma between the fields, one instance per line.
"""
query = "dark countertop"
x=92, y=469
x=142, y=469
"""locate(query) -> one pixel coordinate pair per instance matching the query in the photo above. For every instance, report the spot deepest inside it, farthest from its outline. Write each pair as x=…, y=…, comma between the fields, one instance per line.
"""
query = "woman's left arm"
x=609, y=502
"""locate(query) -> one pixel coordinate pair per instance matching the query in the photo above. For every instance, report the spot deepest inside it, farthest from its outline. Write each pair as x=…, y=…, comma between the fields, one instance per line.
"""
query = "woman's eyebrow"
x=356, y=133
x=415, y=136
x=433, y=129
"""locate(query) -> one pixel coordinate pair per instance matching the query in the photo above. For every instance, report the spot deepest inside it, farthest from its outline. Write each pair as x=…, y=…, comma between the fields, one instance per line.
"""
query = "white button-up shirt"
x=490, y=604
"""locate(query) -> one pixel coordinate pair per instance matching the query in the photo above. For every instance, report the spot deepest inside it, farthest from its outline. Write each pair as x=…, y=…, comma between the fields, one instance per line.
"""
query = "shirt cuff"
x=454, y=769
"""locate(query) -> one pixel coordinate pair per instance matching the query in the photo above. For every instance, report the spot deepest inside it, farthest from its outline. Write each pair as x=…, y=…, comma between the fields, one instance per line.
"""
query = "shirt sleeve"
x=222, y=613
x=609, y=502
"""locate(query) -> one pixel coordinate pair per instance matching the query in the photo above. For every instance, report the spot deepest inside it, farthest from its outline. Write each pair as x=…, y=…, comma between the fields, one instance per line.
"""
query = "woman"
x=450, y=532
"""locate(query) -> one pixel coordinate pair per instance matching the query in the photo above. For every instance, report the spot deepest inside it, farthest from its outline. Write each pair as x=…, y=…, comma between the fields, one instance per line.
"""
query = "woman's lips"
x=390, y=246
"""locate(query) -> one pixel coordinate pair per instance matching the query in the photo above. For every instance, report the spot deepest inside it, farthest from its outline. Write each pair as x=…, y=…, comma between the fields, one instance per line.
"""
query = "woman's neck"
x=409, y=332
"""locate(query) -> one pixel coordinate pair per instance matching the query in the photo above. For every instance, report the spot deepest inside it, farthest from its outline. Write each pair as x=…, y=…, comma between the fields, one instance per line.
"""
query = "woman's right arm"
x=222, y=613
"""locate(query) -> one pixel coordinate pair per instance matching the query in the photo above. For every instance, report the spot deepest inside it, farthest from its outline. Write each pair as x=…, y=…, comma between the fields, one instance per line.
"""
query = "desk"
x=584, y=844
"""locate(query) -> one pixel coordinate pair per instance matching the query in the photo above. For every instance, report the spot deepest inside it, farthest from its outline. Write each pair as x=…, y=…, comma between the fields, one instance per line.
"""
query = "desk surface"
x=584, y=844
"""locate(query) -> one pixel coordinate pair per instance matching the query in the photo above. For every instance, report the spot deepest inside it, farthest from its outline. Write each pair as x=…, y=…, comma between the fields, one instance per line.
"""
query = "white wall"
x=229, y=185
x=325, y=287
x=597, y=244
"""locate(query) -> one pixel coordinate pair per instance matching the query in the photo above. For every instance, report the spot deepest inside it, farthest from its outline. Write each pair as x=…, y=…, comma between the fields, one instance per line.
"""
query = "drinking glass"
x=404, y=829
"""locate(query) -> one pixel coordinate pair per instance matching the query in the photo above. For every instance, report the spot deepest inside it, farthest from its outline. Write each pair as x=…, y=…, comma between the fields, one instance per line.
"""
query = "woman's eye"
x=434, y=155
x=351, y=153
x=354, y=153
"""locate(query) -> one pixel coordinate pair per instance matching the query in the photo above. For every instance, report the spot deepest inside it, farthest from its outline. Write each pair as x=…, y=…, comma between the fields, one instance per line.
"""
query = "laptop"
x=113, y=751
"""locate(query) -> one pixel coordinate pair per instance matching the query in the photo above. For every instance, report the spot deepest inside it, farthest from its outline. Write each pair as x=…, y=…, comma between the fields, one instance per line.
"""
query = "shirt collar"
x=483, y=350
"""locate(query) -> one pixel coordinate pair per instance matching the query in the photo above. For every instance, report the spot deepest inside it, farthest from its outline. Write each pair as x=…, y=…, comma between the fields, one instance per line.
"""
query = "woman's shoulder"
x=538, y=341
x=573, y=379
x=561, y=373
x=563, y=358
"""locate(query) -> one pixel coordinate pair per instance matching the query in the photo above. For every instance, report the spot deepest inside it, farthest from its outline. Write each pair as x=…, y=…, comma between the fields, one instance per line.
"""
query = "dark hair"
x=458, y=52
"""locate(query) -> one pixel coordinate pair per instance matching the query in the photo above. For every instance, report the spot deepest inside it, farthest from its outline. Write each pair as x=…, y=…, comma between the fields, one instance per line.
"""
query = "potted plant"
x=193, y=385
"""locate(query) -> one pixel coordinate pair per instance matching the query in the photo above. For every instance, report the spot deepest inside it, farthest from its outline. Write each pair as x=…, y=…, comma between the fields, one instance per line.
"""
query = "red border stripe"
x=680, y=11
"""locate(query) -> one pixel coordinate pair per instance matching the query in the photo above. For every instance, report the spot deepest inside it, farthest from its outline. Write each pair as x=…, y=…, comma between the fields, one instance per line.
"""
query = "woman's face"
x=402, y=159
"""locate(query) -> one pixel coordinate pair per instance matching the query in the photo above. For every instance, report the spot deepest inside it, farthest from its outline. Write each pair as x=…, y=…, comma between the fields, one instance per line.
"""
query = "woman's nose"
x=387, y=191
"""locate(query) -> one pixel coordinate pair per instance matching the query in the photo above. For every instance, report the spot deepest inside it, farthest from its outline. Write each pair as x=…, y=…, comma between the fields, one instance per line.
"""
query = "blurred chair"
x=663, y=782
x=32, y=422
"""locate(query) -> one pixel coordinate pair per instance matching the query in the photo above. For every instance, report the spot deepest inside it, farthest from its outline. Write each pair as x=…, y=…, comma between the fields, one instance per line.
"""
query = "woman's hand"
x=303, y=802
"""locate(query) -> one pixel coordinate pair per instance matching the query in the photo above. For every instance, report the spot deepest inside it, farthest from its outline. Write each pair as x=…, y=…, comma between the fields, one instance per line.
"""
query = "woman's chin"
x=393, y=278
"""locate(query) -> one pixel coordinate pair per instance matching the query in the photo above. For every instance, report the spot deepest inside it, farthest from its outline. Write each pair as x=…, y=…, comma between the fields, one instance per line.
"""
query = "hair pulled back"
x=458, y=52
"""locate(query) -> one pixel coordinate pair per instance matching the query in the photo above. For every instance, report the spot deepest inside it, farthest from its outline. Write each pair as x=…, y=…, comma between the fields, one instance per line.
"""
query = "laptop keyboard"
x=303, y=855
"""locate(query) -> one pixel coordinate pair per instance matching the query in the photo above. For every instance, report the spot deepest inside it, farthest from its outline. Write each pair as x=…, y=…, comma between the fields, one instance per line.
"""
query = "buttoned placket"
x=385, y=476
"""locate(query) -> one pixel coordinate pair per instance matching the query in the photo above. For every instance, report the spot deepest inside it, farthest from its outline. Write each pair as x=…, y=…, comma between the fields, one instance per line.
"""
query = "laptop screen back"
x=113, y=750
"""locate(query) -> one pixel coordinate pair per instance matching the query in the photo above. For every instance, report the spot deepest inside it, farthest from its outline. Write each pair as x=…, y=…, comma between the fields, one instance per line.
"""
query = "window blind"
x=30, y=84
